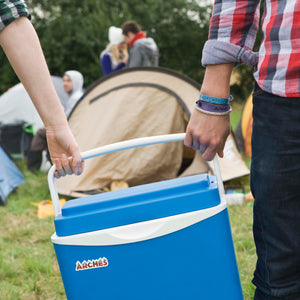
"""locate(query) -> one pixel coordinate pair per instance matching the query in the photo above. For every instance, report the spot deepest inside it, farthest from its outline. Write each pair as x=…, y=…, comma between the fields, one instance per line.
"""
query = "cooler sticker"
x=91, y=264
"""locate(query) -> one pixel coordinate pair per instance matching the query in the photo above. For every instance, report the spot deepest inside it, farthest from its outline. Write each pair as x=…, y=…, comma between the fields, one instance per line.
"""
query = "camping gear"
x=45, y=208
x=19, y=119
x=234, y=194
x=10, y=176
x=12, y=136
x=134, y=103
x=163, y=240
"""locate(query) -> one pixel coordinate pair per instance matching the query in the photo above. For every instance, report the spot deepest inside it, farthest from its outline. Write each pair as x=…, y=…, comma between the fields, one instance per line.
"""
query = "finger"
x=81, y=168
x=196, y=143
x=66, y=165
x=202, y=148
x=56, y=174
x=59, y=167
x=78, y=168
x=209, y=153
x=77, y=163
x=188, y=140
x=221, y=150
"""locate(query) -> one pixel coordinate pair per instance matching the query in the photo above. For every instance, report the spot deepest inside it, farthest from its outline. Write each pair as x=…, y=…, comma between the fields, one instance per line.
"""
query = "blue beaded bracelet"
x=223, y=101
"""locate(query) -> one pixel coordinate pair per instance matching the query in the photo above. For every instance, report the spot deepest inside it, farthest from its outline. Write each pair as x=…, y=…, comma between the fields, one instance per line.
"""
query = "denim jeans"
x=275, y=184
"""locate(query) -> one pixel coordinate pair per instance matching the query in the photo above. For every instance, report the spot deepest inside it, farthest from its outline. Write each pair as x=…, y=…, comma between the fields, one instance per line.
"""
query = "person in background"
x=143, y=51
x=275, y=161
x=115, y=56
x=29, y=64
x=73, y=86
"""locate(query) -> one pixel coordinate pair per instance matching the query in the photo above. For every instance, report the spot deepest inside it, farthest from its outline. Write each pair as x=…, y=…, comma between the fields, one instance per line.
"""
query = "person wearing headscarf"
x=115, y=56
x=73, y=86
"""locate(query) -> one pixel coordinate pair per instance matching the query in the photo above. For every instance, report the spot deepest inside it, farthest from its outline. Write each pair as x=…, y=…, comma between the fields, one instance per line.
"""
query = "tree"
x=74, y=32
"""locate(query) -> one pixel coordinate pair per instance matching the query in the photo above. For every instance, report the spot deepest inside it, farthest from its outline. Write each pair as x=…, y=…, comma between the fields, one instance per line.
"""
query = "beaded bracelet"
x=211, y=109
x=213, y=100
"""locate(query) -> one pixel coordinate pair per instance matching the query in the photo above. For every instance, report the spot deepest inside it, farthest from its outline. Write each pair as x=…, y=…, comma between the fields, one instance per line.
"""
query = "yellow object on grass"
x=118, y=185
x=45, y=208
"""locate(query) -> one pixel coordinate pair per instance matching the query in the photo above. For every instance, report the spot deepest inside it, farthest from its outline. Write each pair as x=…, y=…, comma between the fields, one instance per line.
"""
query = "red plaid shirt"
x=233, y=29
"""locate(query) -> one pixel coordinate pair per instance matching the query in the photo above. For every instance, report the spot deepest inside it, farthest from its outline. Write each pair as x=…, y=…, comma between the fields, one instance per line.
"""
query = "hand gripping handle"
x=134, y=143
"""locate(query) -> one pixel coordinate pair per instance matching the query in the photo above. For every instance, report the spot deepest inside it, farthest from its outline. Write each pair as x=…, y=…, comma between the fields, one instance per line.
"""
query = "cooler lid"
x=137, y=204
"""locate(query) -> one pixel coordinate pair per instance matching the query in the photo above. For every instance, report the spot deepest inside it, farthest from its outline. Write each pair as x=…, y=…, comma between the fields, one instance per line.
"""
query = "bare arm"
x=211, y=131
x=22, y=47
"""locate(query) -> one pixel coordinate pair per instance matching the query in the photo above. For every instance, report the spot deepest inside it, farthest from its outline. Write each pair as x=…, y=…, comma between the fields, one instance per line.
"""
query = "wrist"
x=213, y=105
x=213, y=109
x=56, y=122
x=56, y=127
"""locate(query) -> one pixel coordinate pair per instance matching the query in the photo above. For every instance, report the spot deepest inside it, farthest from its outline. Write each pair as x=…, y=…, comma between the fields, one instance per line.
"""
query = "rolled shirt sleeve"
x=233, y=29
x=11, y=10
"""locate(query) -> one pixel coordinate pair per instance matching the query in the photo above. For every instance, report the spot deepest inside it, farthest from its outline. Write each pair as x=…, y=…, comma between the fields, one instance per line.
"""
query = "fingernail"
x=79, y=171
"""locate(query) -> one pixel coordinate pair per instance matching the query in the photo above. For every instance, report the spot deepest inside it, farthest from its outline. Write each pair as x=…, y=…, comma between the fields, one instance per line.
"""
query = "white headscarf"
x=77, y=92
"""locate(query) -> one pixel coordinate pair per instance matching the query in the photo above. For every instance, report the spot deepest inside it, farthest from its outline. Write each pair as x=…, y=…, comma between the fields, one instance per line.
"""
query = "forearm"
x=119, y=66
x=106, y=64
x=216, y=81
x=22, y=48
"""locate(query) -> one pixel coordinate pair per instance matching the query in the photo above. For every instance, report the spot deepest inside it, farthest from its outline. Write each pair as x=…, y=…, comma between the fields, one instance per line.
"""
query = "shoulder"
x=105, y=54
x=147, y=42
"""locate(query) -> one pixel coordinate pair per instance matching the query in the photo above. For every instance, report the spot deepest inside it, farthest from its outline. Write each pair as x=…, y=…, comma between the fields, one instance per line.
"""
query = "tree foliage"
x=74, y=32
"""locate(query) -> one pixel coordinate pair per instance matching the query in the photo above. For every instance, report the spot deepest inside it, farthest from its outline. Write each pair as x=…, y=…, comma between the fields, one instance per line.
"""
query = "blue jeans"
x=275, y=184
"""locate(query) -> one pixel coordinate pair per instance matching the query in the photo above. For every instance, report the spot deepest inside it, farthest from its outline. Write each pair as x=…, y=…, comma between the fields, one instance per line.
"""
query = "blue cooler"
x=167, y=240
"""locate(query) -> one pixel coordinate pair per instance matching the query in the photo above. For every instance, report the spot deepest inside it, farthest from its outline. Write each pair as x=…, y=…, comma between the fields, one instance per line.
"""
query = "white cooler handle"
x=134, y=143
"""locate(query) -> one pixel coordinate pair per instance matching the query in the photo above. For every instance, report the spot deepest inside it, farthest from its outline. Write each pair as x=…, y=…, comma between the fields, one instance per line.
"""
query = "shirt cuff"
x=219, y=52
x=11, y=11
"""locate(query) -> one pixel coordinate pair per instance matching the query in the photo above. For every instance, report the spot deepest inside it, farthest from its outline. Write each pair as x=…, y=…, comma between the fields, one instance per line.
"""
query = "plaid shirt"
x=233, y=29
x=11, y=10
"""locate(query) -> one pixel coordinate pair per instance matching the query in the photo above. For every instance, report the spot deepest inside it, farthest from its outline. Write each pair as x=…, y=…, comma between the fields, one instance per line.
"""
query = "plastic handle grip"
x=134, y=143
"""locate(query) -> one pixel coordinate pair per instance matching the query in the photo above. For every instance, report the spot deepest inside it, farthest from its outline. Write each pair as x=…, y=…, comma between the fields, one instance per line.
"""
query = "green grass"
x=241, y=227
x=28, y=263
x=29, y=269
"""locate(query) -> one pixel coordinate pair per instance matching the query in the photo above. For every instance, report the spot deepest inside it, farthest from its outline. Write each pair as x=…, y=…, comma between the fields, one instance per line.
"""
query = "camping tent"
x=10, y=176
x=246, y=125
x=18, y=112
x=135, y=103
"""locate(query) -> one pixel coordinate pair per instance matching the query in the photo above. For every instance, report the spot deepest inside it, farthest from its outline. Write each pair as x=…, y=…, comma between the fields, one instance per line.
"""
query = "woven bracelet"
x=214, y=100
x=211, y=109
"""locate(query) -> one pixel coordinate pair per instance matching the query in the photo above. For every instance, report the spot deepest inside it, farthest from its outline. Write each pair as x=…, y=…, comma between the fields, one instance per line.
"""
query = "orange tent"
x=246, y=124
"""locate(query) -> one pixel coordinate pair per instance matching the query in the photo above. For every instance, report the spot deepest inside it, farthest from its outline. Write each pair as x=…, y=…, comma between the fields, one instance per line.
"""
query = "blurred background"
x=73, y=33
